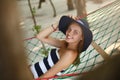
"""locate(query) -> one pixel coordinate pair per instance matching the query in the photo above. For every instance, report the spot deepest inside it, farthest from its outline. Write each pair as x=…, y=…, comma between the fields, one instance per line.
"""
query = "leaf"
x=37, y=28
x=34, y=10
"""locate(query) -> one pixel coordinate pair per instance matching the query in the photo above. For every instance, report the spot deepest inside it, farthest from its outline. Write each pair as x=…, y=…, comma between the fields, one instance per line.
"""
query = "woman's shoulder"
x=70, y=52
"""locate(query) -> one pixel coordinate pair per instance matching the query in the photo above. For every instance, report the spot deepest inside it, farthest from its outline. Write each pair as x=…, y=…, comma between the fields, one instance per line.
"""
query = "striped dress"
x=44, y=65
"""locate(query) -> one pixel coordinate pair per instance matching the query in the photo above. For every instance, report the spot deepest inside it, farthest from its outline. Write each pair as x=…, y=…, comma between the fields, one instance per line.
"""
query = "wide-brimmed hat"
x=65, y=21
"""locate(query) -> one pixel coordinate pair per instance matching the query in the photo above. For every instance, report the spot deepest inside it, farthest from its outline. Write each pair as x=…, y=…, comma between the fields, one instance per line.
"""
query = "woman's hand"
x=74, y=17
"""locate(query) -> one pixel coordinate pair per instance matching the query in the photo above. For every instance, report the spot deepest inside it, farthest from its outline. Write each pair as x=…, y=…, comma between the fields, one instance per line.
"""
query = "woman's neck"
x=71, y=46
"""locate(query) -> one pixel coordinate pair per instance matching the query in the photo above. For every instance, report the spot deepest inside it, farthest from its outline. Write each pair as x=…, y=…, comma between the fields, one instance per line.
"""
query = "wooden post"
x=100, y=51
x=70, y=5
x=81, y=7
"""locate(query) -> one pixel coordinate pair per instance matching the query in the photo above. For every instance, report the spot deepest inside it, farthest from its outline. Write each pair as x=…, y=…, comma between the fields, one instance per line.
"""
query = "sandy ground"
x=44, y=16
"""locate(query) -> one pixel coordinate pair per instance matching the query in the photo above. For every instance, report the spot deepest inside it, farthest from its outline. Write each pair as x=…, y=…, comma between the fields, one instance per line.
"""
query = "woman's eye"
x=75, y=32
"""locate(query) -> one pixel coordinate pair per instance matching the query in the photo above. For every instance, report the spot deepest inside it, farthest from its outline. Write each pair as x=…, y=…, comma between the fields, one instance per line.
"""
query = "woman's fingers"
x=74, y=17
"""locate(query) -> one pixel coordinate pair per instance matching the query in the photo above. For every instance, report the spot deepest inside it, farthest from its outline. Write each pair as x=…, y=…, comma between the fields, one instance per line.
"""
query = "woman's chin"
x=68, y=41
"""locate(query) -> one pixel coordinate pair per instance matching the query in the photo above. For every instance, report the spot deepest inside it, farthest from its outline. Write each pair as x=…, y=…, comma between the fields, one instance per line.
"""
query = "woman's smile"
x=69, y=37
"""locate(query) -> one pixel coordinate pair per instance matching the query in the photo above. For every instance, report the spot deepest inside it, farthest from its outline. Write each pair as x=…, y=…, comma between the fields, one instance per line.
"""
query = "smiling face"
x=74, y=33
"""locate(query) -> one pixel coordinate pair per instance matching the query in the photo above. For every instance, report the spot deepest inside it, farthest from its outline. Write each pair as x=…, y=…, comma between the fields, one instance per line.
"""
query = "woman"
x=78, y=38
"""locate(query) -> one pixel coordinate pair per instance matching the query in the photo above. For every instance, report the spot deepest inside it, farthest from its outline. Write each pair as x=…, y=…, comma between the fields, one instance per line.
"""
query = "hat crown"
x=83, y=22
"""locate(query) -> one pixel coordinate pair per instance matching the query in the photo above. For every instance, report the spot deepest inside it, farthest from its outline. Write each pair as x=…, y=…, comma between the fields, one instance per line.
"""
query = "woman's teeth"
x=69, y=37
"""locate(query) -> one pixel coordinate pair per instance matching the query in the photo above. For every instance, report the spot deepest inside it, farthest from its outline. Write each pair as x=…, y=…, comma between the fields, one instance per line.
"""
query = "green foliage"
x=33, y=10
x=36, y=29
x=44, y=51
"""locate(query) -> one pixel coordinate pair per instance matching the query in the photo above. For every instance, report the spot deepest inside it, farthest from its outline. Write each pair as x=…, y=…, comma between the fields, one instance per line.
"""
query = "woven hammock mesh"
x=105, y=25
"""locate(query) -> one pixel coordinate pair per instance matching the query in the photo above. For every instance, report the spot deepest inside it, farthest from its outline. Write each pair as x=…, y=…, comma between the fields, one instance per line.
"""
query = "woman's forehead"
x=75, y=26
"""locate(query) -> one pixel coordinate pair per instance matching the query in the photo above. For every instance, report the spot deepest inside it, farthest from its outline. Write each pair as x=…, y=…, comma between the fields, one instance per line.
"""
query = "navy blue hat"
x=65, y=21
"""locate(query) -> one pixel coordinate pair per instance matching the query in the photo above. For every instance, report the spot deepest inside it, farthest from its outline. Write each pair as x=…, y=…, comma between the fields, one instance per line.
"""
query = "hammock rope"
x=105, y=26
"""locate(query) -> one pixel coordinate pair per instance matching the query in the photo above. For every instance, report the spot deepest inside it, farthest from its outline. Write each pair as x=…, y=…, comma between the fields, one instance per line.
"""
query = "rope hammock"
x=105, y=25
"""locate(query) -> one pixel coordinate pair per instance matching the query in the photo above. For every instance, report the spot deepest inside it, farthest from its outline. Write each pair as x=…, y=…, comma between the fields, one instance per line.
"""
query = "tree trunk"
x=70, y=5
x=81, y=8
x=33, y=16
x=54, y=10
x=40, y=3
x=35, y=24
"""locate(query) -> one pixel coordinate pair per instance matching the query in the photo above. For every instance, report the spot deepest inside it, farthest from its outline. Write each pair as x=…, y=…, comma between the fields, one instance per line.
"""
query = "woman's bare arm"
x=65, y=61
x=44, y=36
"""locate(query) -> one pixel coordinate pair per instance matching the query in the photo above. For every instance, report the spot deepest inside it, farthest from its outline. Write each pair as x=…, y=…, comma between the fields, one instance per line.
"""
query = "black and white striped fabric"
x=43, y=66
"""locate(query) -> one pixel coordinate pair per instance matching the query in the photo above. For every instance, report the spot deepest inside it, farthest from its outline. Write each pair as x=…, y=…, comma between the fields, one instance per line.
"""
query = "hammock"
x=105, y=25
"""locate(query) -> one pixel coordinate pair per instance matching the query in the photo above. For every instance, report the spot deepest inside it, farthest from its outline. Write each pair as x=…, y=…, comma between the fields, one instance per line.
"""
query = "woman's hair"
x=13, y=63
x=79, y=48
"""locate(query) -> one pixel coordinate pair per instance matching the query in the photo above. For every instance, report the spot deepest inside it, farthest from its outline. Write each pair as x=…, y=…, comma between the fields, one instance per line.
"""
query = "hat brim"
x=64, y=23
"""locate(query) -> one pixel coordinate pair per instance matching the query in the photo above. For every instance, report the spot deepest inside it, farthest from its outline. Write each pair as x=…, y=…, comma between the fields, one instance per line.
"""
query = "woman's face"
x=74, y=33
